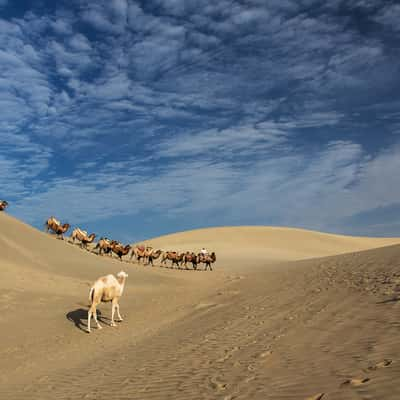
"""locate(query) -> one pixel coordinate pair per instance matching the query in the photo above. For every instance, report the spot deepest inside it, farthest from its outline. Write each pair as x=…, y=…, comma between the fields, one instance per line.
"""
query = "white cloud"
x=389, y=16
x=209, y=97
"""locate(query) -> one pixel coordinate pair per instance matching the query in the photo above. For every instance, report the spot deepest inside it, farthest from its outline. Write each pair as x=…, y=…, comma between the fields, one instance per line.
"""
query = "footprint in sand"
x=43, y=379
x=383, y=364
x=201, y=306
x=318, y=396
x=265, y=354
x=228, y=354
x=356, y=381
x=216, y=384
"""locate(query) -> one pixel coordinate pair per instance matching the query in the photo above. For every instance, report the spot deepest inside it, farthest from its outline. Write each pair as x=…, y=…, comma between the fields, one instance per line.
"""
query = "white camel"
x=106, y=288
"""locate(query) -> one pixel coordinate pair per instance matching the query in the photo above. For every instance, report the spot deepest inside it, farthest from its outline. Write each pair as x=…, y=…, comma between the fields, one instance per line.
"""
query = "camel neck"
x=121, y=281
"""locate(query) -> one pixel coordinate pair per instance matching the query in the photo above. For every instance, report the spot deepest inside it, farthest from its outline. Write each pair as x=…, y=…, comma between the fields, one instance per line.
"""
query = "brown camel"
x=3, y=205
x=192, y=258
x=120, y=250
x=82, y=236
x=207, y=260
x=54, y=225
x=173, y=256
x=153, y=256
x=104, y=246
x=141, y=252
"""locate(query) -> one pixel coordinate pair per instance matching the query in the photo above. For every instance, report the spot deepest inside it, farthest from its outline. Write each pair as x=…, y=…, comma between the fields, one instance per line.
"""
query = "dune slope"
x=252, y=328
x=268, y=243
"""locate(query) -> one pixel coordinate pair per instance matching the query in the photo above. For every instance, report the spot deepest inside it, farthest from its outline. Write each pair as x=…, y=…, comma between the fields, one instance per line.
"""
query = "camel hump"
x=54, y=221
x=141, y=248
x=82, y=232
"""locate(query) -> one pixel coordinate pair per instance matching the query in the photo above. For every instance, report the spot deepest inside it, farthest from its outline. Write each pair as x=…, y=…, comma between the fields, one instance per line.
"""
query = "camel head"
x=122, y=274
x=92, y=236
x=65, y=227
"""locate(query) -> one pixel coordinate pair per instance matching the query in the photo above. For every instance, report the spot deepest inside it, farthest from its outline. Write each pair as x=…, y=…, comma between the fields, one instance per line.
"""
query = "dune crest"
x=269, y=243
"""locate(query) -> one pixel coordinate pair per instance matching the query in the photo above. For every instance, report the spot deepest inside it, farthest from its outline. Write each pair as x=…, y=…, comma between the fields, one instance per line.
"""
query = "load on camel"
x=82, y=236
x=3, y=205
x=207, y=260
x=54, y=225
x=120, y=250
x=174, y=257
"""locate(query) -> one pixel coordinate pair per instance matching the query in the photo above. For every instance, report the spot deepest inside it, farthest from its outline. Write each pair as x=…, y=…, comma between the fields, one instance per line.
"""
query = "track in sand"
x=263, y=325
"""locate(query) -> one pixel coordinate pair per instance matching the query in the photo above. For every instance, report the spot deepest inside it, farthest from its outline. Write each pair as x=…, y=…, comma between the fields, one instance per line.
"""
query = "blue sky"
x=138, y=118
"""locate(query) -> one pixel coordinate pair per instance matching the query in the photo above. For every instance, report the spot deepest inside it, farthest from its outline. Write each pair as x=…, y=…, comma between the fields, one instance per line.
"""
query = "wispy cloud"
x=200, y=109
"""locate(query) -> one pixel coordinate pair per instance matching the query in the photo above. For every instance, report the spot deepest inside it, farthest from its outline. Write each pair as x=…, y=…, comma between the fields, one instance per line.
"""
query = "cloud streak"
x=200, y=111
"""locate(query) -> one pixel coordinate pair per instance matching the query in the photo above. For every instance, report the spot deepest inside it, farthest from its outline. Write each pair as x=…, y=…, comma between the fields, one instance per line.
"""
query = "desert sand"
x=285, y=314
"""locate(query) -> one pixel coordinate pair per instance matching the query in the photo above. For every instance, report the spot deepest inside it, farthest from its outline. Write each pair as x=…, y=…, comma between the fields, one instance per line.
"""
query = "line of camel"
x=141, y=252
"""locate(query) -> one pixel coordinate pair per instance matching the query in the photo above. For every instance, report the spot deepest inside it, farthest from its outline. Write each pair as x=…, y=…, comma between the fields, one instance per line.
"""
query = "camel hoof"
x=120, y=320
x=113, y=324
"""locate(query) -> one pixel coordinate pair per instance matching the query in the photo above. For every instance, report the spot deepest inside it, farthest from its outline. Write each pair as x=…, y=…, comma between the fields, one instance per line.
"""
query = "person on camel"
x=203, y=252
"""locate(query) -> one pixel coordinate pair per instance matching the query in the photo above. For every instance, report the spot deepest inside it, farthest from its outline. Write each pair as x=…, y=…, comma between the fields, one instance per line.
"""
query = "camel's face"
x=122, y=274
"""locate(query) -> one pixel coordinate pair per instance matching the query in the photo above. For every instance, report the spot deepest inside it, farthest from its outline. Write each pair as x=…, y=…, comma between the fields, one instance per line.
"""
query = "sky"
x=133, y=119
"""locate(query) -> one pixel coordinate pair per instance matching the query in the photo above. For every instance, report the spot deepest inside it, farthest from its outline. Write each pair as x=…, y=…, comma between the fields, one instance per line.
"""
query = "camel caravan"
x=145, y=255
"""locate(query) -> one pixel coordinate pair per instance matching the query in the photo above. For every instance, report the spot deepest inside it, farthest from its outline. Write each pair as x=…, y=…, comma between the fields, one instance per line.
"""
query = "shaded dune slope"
x=279, y=330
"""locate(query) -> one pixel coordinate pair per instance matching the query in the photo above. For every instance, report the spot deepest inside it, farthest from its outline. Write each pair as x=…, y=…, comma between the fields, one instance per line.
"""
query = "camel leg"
x=95, y=318
x=88, y=320
x=118, y=314
x=93, y=311
x=113, y=307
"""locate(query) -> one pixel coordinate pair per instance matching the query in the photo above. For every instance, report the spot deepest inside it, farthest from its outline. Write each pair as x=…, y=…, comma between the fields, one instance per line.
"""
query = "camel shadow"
x=80, y=314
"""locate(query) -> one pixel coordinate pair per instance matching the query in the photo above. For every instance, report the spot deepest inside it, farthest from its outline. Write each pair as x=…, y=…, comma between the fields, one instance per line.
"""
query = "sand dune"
x=271, y=322
x=267, y=243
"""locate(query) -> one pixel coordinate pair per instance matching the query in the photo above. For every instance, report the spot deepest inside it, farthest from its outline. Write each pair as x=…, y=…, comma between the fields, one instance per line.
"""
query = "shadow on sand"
x=391, y=300
x=79, y=318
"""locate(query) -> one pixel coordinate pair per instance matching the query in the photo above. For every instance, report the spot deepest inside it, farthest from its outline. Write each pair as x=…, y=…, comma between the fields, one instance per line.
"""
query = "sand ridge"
x=262, y=325
x=265, y=243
